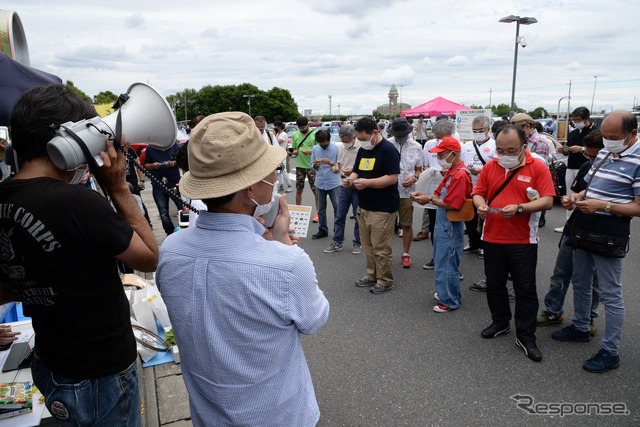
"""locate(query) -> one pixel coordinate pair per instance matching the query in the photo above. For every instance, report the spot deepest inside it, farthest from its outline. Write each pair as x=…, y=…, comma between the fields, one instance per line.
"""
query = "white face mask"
x=77, y=176
x=579, y=125
x=263, y=209
x=444, y=164
x=508, y=162
x=367, y=145
x=479, y=137
x=614, y=145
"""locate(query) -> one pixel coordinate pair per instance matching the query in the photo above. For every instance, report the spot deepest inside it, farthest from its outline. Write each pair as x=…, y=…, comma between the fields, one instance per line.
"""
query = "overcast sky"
x=352, y=50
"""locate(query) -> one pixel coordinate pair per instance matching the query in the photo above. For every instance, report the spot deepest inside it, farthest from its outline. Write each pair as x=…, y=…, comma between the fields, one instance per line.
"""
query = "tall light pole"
x=248, y=101
x=185, y=107
x=338, y=111
x=329, y=105
x=594, y=92
x=525, y=20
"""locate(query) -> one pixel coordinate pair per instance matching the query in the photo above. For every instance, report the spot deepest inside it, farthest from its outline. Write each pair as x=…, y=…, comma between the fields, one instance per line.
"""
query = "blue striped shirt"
x=238, y=304
x=617, y=180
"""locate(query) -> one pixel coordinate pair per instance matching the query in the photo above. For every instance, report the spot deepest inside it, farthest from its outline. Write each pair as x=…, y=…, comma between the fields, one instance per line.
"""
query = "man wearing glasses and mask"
x=510, y=234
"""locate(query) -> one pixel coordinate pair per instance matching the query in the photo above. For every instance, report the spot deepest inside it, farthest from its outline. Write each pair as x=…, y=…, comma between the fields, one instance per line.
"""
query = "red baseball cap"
x=448, y=143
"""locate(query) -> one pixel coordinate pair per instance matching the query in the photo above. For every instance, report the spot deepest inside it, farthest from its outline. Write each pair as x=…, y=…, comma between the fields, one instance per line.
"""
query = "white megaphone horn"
x=145, y=115
x=12, y=39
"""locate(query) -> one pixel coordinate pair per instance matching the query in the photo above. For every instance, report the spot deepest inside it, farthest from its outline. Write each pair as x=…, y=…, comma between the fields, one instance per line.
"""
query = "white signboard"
x=464, y=118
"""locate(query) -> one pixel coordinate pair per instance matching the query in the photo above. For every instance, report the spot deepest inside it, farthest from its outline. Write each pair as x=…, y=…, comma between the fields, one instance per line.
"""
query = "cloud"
x=457, y=61
x=426, y=61
x=572, y=66
x=353, y=8
x=210, y=33
x=136, y=20
x=92, y=57
x=399, y=76
x=358, y=30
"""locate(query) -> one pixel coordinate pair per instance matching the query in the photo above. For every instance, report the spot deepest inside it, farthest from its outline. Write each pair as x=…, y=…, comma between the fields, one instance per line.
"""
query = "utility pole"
x=248, y=101
x=329, y=105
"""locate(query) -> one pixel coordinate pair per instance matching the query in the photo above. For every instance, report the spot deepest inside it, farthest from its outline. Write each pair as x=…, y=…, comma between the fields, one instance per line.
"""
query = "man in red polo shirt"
x=510, y=234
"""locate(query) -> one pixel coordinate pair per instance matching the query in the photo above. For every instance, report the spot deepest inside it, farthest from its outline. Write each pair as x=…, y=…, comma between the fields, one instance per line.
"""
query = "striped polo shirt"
x=618, y=179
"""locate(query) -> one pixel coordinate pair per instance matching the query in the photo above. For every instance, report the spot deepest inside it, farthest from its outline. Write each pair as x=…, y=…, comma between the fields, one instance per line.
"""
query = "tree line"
x=274, y=104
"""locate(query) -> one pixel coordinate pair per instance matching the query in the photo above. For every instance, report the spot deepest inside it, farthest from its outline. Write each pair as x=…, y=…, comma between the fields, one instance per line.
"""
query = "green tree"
x=106, y=97
x=538, y=113
x=80, y=93
x=274, y=104
x=476, y=107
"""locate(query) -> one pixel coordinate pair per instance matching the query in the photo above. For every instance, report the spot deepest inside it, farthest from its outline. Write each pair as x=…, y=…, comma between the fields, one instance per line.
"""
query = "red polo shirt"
x=521, y=228
x=458, y=189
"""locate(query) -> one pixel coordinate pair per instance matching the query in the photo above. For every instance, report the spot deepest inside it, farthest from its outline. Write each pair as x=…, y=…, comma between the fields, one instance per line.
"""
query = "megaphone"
x=12, y=39
x=145, y=115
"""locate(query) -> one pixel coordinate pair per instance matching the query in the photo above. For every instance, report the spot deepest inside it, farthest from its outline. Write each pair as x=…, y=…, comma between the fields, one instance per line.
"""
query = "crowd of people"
x=505, y=171
x=240, y=292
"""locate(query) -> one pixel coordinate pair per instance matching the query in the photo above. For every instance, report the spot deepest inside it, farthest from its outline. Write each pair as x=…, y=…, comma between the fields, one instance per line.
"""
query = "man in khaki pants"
x=375, y=176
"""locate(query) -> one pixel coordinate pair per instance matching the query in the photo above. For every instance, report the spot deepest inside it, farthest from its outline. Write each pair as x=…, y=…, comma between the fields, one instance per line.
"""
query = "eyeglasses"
x=510, y=151
x=280, y=168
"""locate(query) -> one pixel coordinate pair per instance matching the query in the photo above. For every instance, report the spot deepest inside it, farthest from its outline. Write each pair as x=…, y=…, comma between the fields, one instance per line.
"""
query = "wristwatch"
x=519, y=209
x=607, y=207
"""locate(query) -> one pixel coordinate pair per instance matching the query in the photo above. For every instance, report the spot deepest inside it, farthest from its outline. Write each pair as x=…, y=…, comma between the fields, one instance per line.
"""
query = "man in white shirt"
x=475, y=154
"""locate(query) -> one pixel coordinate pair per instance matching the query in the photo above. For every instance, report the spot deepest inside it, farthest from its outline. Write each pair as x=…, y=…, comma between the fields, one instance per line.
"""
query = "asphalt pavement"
x=390, y=360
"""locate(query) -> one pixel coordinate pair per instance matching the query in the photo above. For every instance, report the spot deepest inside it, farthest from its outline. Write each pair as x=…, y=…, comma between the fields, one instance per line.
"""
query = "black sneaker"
x=495, y=329
x=570, y=333
x=380, y=289
x=470, y=250
x=531, y=350
x=365, y=282
x=601, y=362
x=429, y=266
x=320, y=234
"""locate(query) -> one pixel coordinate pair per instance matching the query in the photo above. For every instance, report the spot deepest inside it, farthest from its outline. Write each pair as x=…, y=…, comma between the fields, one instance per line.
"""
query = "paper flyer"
x=300, y=217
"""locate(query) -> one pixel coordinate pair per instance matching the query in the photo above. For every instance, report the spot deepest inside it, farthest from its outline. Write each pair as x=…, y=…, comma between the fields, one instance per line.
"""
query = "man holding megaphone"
x=59, y=244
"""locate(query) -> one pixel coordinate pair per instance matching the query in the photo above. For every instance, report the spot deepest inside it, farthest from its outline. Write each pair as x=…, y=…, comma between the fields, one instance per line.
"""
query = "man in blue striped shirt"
x=239, y=295
x=610, y=200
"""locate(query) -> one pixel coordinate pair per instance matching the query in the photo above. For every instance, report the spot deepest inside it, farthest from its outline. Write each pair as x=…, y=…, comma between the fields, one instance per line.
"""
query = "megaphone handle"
x=155, y=181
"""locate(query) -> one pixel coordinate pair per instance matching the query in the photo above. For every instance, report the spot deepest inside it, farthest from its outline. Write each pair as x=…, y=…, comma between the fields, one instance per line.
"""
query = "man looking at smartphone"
x=251, y=291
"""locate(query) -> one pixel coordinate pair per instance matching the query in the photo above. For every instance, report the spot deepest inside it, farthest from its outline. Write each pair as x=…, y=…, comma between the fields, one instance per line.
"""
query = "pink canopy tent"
x=435, y=107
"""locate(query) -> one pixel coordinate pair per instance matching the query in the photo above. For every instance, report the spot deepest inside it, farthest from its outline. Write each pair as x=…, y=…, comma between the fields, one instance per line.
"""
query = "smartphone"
x=270, y=217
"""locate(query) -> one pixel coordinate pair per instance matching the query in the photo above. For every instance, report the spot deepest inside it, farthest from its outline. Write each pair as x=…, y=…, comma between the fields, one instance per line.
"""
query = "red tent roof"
x=435, y=107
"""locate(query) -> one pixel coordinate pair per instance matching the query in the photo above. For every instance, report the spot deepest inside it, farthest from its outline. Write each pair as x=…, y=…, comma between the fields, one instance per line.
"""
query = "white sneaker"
x=558, y=229
x=357, y=249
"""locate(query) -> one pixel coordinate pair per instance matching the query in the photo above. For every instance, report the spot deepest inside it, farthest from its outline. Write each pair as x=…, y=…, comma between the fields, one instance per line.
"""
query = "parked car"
x=140, y=147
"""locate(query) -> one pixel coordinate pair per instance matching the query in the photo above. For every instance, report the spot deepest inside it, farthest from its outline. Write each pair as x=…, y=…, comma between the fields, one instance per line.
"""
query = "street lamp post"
x=329, y=105
x=525, y=20
x=248, y=101
x=594, y=92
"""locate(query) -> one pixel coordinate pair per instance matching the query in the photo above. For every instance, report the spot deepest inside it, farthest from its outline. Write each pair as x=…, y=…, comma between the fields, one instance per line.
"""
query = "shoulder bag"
x=603, y=235
x=465, y=213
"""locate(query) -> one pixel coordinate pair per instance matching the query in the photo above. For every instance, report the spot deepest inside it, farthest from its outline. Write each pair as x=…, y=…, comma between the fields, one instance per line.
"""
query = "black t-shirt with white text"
x=57, y=248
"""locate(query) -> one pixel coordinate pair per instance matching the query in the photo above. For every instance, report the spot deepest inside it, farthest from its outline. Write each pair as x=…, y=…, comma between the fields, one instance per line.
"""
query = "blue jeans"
x=113, y=400
x=322, y=206
x=447, y=251
x=346, y=198
x=609, y=271
x=561, y=279
x=162, y=202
